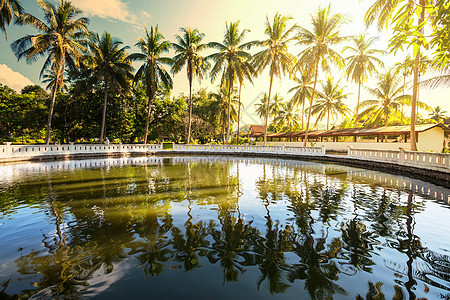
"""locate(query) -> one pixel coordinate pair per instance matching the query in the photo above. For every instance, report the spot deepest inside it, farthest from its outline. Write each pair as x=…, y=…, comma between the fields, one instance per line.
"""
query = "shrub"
x=168, y=146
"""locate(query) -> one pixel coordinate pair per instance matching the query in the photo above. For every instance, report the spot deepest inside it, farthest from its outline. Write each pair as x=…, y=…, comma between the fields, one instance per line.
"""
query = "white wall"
x=431, y=140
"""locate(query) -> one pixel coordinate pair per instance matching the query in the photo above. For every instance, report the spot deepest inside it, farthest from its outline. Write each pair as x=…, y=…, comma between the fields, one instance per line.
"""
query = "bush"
x=168, y=146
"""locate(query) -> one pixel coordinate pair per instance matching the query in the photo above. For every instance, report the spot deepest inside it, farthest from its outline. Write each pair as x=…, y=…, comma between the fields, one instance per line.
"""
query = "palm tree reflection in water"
x=331, y=229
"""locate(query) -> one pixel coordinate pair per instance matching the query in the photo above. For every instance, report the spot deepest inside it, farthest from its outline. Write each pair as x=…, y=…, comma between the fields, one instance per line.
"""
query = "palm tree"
x=441, y=80
x=388, y=100
x=9, y=9
x=437, y=114
x=287, y=116
x=108, y=63
x=303, y=90
x=231, y=60
x=261, y=108
x=220, y=106
x=383, y=11
x=330, y=102
x=152, y=72
x=50, y=78
x=405, y=68
x=276, y=105
x=324, y=35
x=187, y=51
x=60, y=38
x=275, y=55
x=362, y=63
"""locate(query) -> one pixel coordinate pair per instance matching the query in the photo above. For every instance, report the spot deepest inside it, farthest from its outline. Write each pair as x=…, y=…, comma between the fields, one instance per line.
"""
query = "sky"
x=125, y=19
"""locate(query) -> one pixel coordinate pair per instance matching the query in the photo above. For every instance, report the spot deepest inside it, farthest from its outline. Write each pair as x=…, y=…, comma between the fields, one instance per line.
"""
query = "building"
x=430, y=137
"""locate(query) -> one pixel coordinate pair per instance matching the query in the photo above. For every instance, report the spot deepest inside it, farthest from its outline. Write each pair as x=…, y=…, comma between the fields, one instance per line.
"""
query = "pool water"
x=220, y=227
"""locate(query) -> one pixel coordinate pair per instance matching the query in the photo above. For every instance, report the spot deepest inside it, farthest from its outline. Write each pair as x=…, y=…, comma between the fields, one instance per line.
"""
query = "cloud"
x=106, y=9
x=13, y=79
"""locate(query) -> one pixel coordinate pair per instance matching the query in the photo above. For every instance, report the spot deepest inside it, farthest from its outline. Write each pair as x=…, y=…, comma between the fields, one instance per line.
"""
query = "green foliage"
x=389, y=99
x=330, y=102
x=8, y=10
x=441, y=32
x=21, y=114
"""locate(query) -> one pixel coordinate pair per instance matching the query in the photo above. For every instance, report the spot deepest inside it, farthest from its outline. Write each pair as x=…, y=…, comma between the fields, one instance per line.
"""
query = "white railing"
x=425, y=160
x=316, y=151
x=16, y=151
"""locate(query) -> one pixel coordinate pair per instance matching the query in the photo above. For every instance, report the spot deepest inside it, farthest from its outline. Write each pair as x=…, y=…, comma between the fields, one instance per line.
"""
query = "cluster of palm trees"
x=64, y=40
x=288, y=117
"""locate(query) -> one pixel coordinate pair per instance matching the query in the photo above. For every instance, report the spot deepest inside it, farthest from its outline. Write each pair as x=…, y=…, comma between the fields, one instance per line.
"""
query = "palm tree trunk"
x=416, y=86
x=190, y=105
x=386, y=125
x=239, y=115
x=303, y=112
x=401, y=116
x=328, y=119
x=150, y=98
x=223, y=126
x=230, y=87
x=267, y=109
x=104, y=113
x=311, y=103
x=52, y=104
x=357, y=104
x=50, y=114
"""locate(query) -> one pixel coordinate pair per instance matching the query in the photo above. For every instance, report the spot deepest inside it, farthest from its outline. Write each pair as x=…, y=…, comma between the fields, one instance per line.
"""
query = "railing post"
x=324, y=150
x=349, y=151
x=8, y=148
x=402, y=155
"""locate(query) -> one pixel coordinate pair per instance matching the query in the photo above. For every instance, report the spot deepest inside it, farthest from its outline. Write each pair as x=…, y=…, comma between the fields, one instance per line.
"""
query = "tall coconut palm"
x=152, y=72
x=405, y=68
x=389, y=98
x=287, y=117
x=231, y=60
x=441, y=80
x=60, y=38
x=330, y=102
x=276, y=105
x=9, y=9
x=109, y=63
x=275, y=55
x=50, y=78
x=325, y=34
x=261, y=108
x=438, y=114
x=220, y=105
x=404, y=11
x=362, y=63
x=187, y=51
x=303, y=90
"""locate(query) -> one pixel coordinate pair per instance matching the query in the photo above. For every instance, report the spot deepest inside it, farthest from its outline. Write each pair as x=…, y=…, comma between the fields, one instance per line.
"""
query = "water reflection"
x=275, y=227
